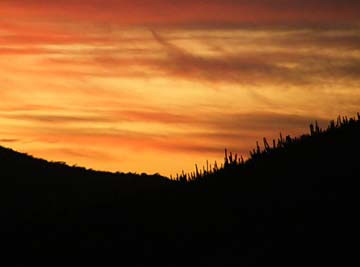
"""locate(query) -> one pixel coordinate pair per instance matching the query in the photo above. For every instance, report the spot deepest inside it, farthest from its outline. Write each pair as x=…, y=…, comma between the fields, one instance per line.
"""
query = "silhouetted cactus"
x=216, y=168
x=317, y=128
x=338, y=121
x=242, y=160
x=183, y=177
x=280, y=141
x=197, y=171
x=258, y=151
x=312, y=131
x=226, y=161
x=266, y=145
x=252, y=153
x=232, y=160
x=332, y=124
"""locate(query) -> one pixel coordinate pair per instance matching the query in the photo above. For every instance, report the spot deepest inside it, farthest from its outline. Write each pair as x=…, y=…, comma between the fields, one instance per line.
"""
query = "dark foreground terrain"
x=293, y=203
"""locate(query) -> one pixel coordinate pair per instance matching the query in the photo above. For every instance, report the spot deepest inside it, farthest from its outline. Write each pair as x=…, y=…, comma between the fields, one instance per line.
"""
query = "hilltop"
x=293, y=201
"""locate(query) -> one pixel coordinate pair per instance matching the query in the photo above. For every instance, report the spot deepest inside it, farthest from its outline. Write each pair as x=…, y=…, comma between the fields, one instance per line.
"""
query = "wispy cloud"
x=283, y=65
x=4, y=140
x=163, y=84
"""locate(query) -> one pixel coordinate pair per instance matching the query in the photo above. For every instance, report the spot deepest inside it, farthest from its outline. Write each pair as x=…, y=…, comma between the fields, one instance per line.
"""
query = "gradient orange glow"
x=157, y=86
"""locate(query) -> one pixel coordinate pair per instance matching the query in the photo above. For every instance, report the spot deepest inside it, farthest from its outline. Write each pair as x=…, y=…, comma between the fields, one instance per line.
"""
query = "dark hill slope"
x=25, y=169
x=293, y=204
x=33, y=180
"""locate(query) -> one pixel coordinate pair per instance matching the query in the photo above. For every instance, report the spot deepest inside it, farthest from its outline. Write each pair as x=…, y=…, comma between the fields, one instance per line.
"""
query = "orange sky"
x=157, y=86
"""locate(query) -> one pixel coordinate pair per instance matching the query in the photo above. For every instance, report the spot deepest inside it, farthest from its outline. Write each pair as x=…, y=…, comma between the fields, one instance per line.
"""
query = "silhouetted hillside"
x=293, y=203
x=20, y=166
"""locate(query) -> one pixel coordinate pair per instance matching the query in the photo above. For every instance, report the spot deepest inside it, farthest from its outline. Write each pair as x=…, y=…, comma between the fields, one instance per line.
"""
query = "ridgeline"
x=294, y=202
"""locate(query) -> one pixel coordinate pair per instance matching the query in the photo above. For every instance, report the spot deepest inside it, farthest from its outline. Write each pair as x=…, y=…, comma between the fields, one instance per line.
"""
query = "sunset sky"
x=159, y=85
